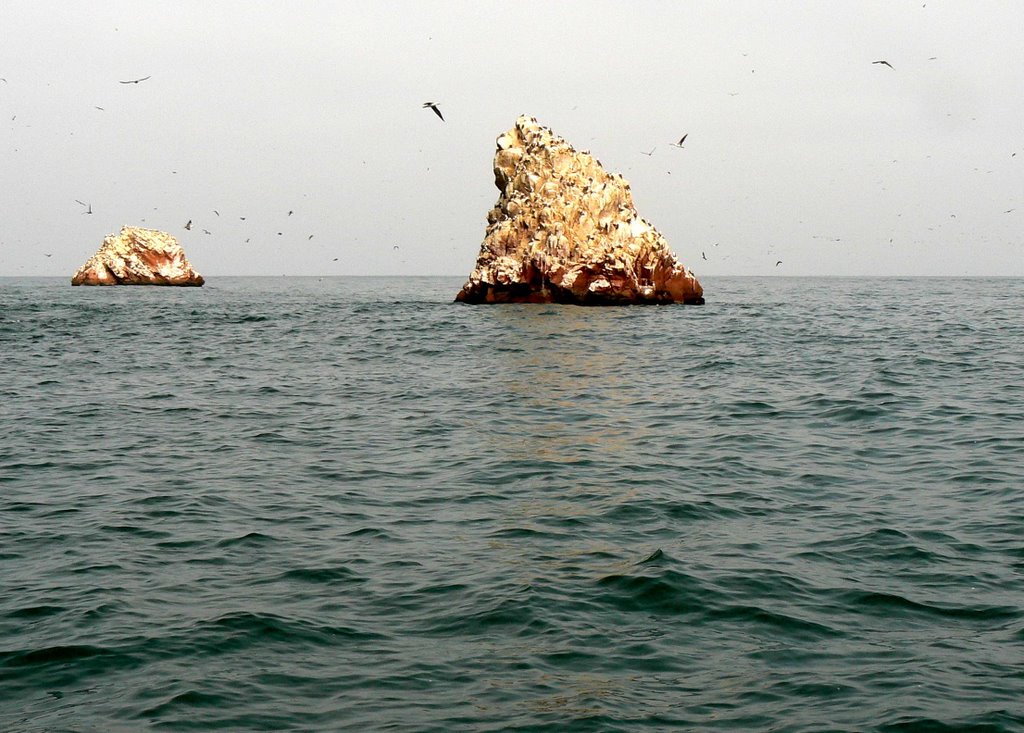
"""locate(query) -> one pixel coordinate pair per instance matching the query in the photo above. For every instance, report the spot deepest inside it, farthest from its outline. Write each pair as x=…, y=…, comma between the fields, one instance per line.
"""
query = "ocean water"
x=303, y=504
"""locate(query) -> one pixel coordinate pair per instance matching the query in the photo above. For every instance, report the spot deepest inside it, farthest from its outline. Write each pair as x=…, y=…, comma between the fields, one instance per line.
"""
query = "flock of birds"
x=188, y=224
x=435, y=108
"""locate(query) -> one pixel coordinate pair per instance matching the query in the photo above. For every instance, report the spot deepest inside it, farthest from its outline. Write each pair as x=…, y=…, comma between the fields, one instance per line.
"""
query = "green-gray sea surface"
x=348, y=504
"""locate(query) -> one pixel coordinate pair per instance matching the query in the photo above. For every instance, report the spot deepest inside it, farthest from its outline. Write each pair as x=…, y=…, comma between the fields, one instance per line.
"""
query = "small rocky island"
x=137, y=256
x=565, y=231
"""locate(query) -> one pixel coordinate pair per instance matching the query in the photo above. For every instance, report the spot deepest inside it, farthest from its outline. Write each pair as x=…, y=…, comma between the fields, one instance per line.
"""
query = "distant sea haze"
x=349, y=504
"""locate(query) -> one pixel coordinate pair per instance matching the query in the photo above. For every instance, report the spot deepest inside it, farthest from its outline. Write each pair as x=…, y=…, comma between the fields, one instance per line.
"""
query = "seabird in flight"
x=88, y=206
x=779, y=262
x=680, y=143
x=189, y=225
x=433, y=106
x=136, y=81
x=650, y=153
x=882, y=62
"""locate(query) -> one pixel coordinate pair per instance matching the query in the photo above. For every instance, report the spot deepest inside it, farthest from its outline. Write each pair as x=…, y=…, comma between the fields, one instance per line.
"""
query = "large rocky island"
x=565, y=231
x=137, y=256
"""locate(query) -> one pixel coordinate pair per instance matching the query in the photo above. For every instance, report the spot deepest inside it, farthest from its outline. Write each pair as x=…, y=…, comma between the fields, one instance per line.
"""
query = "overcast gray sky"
x=800, y=149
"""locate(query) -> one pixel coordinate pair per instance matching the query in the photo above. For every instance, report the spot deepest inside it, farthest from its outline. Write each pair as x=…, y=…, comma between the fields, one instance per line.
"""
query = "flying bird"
x=433, y=106
x=650, y=153
x=882, y=62
x=779, y=262
x=48, y=254
x=189, y=225
x=206, y=231
x=309, y=237
x=290, y=213
x=680, y=143
x=88, y=206
x=703, y=256
x=215, y=212
x=136, y=81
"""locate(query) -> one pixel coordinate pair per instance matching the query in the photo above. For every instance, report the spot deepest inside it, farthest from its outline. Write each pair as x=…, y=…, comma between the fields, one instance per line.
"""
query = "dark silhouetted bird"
x=136, y=81
x=778, y=263
x=88, y=206
x=433, y=106
x=681, y=140
x=189, y=225
x=882, y=62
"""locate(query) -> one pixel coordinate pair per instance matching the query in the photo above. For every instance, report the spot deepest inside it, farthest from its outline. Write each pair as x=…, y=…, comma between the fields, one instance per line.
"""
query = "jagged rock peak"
x=564, y=230
x=137, y=256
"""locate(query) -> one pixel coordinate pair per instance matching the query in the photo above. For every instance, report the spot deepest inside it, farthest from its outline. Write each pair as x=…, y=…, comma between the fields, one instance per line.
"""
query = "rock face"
x=565, y=231
x=138, y=256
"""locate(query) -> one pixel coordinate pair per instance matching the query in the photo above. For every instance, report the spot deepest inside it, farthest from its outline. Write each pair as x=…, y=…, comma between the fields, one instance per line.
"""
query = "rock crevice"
x=565, y=231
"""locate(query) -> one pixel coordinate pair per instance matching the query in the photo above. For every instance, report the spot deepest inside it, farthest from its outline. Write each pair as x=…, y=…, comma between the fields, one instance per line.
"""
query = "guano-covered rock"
x=565, y=231
x=137, y=256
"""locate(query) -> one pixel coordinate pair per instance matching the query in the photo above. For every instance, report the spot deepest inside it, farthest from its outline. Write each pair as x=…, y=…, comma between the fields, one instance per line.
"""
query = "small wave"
x=655, y=556
x=243, y=628
x=892, y=603
x=523, y=533
x=369, y=532
x=189, y=699
x=787, y=624
x=515, y=614
x=135, y=531
x=253, y=539
x=75, y=661
x=670, y=592
x=325, y=576
x=1000, y=721
x=34, y=612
